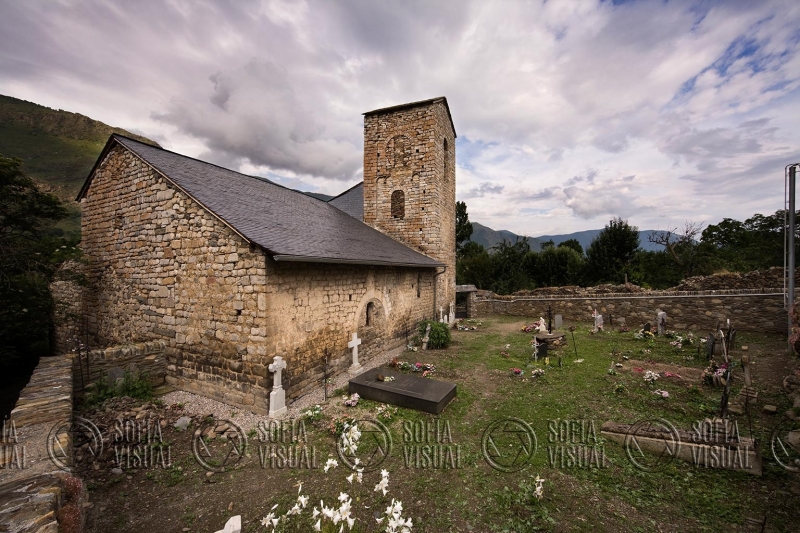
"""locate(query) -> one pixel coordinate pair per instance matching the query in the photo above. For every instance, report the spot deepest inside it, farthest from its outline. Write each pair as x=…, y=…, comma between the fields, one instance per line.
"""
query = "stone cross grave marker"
x=355, y=368
x=277, y=398
x=662, y=323
x=598, y=323
x=559, y=321
x=441, y=314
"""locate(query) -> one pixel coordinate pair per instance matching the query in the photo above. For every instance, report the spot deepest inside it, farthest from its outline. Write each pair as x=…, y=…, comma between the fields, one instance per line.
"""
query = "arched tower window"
x=398, y=204
x=370, y=312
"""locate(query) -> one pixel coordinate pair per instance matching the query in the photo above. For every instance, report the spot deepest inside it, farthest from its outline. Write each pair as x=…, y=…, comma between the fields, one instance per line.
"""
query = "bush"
x=439, y=336
x=132, y=385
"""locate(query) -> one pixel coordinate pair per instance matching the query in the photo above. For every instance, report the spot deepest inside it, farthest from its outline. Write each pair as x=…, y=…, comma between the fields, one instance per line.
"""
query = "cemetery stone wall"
x=748, y=309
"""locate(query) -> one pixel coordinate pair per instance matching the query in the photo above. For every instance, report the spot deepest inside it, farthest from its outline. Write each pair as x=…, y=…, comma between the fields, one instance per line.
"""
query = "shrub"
x=132, y=385
x=439, y=336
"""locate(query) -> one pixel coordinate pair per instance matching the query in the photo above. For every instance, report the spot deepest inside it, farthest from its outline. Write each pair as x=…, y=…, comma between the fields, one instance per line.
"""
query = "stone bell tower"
x=410, y=182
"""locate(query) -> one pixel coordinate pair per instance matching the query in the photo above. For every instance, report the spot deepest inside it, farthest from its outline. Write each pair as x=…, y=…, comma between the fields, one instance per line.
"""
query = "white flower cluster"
x=341, y=514
x=383, y=485
x=330, y=463
x=650, y=376
x=272, y=520
x=350, y=437
x=395, y=523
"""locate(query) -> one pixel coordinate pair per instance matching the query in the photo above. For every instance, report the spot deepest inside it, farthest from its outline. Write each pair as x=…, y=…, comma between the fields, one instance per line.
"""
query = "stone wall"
x=67, y=288
x=748, y=310
x=161, y=267
x=94, y=366
x=412, y=150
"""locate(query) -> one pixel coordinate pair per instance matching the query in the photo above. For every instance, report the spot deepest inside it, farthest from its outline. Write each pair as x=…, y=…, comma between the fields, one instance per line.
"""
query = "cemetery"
x=633, y=432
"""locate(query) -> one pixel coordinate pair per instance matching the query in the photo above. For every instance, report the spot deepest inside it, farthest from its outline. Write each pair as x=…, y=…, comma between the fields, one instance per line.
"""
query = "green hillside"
x=58, y=148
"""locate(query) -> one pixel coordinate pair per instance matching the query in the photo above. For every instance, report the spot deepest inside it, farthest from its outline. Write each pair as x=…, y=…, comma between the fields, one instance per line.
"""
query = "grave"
x=710, y=444
x=559, y=322
x=405, y=390
x=277, y=398
x=661, y=321
x=353, y=344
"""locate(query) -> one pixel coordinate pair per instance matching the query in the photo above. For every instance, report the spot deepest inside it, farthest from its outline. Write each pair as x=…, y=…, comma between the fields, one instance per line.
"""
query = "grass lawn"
x=475, y=497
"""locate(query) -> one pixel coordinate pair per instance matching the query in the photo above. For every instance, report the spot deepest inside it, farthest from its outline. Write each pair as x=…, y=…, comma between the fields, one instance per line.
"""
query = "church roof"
x=289, y=225
x=351, y=201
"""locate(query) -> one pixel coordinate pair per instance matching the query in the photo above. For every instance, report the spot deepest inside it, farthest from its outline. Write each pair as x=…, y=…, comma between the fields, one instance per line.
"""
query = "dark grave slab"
x=406, y=390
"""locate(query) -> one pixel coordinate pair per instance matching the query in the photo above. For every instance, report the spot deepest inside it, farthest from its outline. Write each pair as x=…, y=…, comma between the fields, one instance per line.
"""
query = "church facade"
x=230, y=271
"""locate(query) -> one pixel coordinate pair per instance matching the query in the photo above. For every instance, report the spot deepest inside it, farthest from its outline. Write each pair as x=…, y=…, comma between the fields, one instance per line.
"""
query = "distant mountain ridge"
x=488, y=237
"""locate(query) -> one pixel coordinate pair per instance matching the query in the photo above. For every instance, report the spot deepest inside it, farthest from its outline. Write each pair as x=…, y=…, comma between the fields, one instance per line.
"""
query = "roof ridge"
x=345, y=192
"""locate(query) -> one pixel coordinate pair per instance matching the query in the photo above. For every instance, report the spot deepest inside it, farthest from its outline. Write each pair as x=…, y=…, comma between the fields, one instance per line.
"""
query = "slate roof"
x=351, y=201
x=289, y=225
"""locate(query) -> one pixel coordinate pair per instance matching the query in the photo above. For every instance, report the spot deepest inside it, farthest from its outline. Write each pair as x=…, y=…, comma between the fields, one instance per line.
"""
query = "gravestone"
x=405, y=390
x=559, y=321
x=427, y=337
x=542, y=349
x=115, y=376
x=277, y=398
x=647, y=327
x=661, y=321
x=354, y=343
x=622, y=322
x=598, y=323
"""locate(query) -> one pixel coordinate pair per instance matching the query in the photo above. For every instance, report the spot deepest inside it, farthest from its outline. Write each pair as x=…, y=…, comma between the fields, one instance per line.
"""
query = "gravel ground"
x=196, y=404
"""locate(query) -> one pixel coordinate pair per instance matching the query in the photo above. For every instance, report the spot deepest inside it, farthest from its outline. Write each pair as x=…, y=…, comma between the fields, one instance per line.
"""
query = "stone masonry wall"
x=413, y=150
x=161, y=267
x=748, y=310
x=146, y=357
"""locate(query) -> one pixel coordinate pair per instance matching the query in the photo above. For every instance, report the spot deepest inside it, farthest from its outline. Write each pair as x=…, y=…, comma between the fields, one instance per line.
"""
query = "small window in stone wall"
x=370, y=312
x=398, y=204
x=419, y=281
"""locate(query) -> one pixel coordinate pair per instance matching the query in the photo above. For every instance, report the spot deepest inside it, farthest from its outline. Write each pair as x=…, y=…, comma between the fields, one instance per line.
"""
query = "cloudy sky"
x=568, y=113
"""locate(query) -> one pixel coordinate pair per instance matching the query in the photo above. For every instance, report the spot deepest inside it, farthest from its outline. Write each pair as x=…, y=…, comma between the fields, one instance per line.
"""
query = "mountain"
x=487, y=237
x=57, y=148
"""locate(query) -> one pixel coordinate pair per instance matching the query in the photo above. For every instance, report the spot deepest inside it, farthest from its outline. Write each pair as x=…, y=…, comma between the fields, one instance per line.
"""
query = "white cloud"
x=556, y=104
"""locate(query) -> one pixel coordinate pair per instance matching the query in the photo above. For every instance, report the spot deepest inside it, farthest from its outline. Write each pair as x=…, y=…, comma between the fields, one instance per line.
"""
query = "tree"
x=30, y=252
x=610, y=254
x=559, y=266
x=463, y=226
x=547, y=244
x=508, y=266
x=574, y=244
x=683, y=248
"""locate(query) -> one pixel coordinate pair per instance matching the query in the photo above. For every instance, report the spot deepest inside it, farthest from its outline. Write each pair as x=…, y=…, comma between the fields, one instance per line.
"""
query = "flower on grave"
x=353, y=401
x=350, y=437
x=536, y=372
x=612, y=371
x=516, y=371
x=650, y=376
x=662, y=393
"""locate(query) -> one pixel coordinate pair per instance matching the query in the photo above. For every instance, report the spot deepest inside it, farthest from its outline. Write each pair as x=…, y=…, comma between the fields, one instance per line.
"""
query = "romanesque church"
x=230, y=271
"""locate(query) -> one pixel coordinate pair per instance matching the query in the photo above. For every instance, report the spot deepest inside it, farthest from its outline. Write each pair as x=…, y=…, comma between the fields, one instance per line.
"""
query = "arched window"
x=370, y=312
x=398, y=204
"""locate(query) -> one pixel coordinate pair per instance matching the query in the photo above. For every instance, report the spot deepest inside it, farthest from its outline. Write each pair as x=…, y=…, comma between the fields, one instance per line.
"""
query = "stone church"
x=229, y=271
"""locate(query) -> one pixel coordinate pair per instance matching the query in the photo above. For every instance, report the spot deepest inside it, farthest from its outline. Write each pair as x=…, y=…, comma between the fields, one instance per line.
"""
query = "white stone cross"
x=354, y=344
x=277, y=398
x=441, y=314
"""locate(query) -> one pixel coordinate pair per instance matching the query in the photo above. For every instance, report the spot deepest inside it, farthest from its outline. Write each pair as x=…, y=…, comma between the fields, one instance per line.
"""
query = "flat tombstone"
x=412, y=392
x=559, y=321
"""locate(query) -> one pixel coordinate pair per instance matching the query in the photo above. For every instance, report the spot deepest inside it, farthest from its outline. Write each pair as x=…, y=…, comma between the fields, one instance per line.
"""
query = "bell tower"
x=410, y=182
